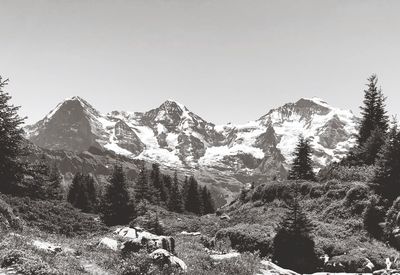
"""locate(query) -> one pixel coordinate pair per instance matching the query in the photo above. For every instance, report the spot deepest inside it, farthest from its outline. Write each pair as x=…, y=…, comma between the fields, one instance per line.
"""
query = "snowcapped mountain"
x=175, y=137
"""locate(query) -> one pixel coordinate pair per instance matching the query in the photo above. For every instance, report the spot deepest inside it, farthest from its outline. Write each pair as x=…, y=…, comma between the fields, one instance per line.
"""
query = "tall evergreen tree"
x=368, y=153
x=175, y=202
x=82, y=193
x=11, y=137
x=302, y=164
x=116, y=205
x=293, y=243
x=368, y=110
x=159, y=191
x=54, y=189
x=374, y=124
x=387, y=174
x=208, y=202
x=142, y=190
x=193, y=201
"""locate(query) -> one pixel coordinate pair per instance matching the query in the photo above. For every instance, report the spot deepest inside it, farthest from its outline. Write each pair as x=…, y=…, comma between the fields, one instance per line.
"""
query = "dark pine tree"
x=373, y=127
x=293, y=243
x=387, y=174
x=193, y=201
x=302, y=164
x=34, y=184
x=368, y=110
x=82, y=193
x=116, y=205
x=11, y=137
x=157, y=184
x=175, y=202
x=142, y=190
x=54, y=190
x=208, y=202
x=167, y=182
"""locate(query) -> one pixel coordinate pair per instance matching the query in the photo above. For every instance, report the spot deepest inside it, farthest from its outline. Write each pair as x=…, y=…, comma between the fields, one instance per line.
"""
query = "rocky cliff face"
x=223, y=156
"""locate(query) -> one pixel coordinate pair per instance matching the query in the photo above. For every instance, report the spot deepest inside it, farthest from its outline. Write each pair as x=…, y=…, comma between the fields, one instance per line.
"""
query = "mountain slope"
x=228, y=155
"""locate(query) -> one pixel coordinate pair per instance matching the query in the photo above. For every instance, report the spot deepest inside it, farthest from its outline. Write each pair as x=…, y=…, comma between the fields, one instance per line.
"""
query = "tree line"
x=120, y=204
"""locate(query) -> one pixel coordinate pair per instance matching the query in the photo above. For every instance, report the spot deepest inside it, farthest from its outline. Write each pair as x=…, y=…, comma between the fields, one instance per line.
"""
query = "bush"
x=248, y=237
x=357, y=193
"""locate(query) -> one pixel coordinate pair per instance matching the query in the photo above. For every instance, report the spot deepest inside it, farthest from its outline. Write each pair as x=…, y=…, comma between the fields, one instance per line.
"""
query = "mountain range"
x=222, y=156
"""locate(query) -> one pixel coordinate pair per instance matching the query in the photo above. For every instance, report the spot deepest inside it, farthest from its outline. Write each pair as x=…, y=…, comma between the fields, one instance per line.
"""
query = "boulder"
x=165, y=256
x=269, y=268
x=152, y=241
x=46, y=246
x=109, y=244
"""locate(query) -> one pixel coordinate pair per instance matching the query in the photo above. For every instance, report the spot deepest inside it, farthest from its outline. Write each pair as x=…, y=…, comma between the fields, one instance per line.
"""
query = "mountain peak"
x=171, y=104
x=315, y=100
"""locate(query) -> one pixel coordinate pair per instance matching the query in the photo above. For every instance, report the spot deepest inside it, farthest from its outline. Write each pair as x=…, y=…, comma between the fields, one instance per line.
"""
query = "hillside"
x=335, y=209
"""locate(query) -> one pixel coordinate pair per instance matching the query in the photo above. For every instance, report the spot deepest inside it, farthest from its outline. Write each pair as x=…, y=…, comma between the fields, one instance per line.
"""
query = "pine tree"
x=293, y=244
x=373, y=127
x=54, y=190
x=116, y=206
x=193, y=202
x=387, y=174
x=142, y=190
x=208, y=202
x=302, y=164
x=34, y=184
x=175, y=202
x=74, y=195
x=82, y=193
x=369, y=151
x=159, y=191
x=11, y=137
x=368, y=110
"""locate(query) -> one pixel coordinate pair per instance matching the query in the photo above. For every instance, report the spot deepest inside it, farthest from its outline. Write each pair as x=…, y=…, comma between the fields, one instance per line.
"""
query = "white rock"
x=46, y=246
x=271, y=268
x=219, y=257
x=190, y=233
x=109, y=243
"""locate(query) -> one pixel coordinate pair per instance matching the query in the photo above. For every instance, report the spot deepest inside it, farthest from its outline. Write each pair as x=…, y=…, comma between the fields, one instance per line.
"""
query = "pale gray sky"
x=226, y=60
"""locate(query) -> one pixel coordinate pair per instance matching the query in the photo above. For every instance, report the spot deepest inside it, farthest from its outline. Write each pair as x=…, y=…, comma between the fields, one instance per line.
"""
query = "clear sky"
x=226, y=60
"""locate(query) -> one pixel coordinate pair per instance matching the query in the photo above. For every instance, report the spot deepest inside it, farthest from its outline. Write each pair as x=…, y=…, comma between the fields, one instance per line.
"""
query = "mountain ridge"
x=175, y=137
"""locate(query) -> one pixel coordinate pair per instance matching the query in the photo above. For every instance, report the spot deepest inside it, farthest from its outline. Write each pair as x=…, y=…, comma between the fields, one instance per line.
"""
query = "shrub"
x=248, y=237
x=356, y=194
